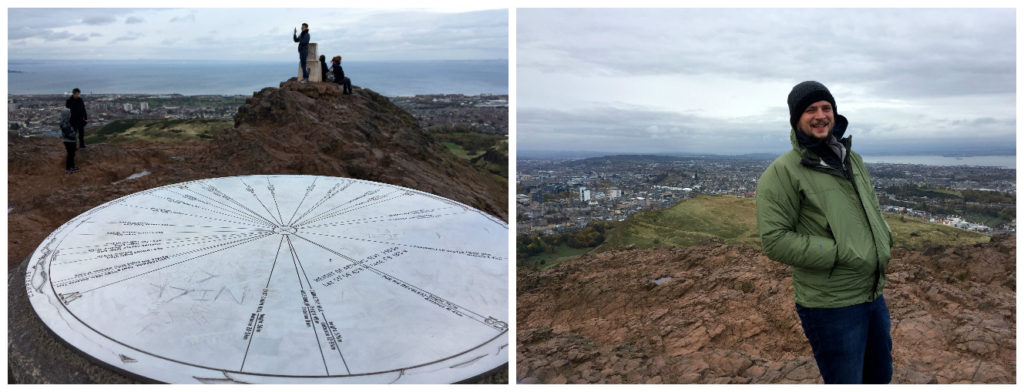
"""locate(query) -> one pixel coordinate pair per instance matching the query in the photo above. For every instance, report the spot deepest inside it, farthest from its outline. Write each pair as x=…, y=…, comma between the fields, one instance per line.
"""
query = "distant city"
x=559, y=195
x=37, y=115
x=485, y=113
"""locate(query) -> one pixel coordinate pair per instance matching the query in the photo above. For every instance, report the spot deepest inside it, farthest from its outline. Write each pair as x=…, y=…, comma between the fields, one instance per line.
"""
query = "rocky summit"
x=716, y=313
x=295, y=128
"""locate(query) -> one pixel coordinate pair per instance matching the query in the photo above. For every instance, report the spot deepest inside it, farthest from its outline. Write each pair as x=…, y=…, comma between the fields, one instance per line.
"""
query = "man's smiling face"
x=817, y=120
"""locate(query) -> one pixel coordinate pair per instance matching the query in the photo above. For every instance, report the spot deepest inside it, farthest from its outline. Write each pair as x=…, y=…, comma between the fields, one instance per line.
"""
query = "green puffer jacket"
x=827, y=228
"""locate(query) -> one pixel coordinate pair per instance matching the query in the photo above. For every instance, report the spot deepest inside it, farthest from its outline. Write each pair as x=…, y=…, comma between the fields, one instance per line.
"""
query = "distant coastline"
x=389, y=78
x=1002, y=161
x=949, y=159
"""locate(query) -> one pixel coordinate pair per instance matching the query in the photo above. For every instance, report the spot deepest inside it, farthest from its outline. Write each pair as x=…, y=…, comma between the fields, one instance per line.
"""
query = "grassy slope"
x=496, y=171
x=916, y=234
x=733, y=220
x=121, y=131
x=730, y=218
x=547, y=260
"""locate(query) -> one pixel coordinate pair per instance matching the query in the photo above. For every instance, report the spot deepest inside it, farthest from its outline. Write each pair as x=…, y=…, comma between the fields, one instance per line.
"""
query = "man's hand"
x=295, y=30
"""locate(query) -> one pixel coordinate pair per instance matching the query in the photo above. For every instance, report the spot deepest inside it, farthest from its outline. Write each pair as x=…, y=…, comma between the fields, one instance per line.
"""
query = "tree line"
x=533, y=244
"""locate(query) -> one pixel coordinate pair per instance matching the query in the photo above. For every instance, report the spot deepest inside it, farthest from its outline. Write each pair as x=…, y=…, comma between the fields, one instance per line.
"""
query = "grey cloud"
x=56, y=35
x=191, y=17
x=471, y=35
x=371, y=34
x=211, y=38
x=47, y=18
x=44, y=34
x=125, y=38
x=20, y=32
x=99, y=20
x=983, y=121
x=896, y=52
x=49, y=23
x=80, y=38
x=637, y=130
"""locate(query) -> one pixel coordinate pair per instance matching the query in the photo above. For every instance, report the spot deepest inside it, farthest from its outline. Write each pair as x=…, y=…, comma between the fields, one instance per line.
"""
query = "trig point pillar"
x=312, y=64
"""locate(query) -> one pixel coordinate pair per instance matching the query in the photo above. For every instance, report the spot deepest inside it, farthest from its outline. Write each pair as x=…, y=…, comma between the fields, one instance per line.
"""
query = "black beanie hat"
x=803, y=95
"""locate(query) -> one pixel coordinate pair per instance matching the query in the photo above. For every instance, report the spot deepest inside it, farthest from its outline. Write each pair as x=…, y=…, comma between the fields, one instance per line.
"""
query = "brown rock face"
x=725, y=314
x=294, y=129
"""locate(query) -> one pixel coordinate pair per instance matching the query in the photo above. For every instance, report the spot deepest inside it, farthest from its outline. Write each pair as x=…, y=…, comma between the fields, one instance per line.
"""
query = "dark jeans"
x=302, y=61
x=851, y=344
x=70, y=161
x=80, y=130
x=346, y=86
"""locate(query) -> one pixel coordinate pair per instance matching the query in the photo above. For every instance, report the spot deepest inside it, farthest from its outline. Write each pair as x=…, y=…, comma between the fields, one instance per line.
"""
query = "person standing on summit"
x=818, y=213
x=78, y=115
x=303, y=40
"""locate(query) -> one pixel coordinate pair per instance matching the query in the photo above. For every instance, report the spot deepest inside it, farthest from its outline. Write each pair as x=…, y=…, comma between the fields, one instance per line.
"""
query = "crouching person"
x=339, y=75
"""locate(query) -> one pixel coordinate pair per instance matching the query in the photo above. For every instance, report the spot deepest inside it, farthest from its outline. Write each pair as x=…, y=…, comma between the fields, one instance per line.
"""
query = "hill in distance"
x=733, y=220
x=123, y=131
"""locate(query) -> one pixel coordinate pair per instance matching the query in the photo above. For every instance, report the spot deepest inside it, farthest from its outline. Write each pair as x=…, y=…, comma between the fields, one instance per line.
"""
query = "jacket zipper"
x=849, y=177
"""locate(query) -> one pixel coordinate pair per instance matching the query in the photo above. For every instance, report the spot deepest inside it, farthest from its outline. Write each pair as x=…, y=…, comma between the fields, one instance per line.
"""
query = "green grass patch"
x=473, y=143
x=562, y=253
x=121, y=131
x=458, y=151
x=946, y=191
x=730, y=218
x=733, y=220
x=917, y=234
x=488, y=153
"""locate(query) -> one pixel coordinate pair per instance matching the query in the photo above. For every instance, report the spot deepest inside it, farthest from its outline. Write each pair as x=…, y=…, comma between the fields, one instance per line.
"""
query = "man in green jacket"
x=817, y=212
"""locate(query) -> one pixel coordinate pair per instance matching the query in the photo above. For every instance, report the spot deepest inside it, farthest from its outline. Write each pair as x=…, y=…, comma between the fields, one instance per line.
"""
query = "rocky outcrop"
x=313, y=128
x=292, y=129
x=715, y=313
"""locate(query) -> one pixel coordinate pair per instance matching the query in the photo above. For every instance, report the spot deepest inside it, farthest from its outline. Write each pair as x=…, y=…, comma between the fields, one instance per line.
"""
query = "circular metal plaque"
x=280, y=279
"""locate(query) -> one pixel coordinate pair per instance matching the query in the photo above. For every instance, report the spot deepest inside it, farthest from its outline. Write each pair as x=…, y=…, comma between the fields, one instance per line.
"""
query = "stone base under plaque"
x=36, y=356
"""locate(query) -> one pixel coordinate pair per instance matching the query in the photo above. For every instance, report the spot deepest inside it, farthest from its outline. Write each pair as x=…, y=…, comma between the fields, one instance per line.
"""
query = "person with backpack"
x=78, y=115
x=339, y=75
x=68, y=136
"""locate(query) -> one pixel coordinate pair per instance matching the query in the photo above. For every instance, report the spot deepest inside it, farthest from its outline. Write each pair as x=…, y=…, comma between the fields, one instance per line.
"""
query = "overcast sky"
x=716, y=80
x=254, y=34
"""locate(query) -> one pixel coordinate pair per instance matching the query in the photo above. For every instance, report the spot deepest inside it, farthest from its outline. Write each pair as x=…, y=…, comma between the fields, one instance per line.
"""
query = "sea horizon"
x=951, y=158
x=213, y=77
x=1001, y=161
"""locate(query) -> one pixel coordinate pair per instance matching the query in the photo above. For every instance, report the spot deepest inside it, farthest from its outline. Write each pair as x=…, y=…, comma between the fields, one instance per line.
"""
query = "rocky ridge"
x=715, y=313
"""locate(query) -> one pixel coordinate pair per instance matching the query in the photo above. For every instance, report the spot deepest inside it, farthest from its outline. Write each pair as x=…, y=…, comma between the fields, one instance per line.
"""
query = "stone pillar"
x=312, y=63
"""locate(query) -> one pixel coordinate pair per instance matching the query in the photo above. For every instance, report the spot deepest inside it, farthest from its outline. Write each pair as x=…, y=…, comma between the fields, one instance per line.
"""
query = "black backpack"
x=66, y=129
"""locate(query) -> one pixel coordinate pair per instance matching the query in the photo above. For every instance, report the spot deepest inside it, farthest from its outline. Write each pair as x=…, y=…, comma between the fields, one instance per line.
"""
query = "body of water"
x=1003, y=161
x=393, y=78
